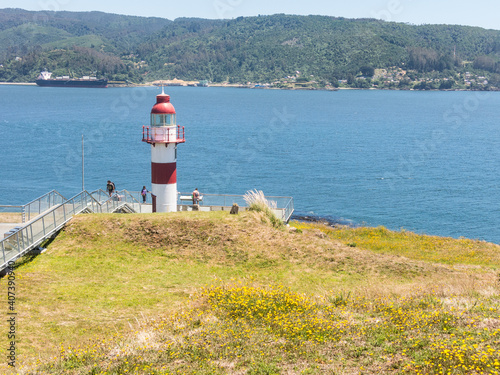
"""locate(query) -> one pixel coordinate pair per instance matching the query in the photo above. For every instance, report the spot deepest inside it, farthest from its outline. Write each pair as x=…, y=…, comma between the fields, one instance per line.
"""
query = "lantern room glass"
x=162, y=120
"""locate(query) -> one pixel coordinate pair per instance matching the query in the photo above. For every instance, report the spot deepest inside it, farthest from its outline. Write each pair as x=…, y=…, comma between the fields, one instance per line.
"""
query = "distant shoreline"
x=150, y=84
x=18, y=83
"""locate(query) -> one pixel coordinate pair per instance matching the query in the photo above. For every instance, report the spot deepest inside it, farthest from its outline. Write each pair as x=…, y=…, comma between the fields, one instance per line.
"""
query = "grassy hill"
x=212, y=293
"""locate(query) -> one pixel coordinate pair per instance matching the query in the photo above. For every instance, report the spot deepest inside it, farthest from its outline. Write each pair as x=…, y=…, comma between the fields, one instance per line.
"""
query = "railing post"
x=3, y=252
x=18, y=244
x=22, y=238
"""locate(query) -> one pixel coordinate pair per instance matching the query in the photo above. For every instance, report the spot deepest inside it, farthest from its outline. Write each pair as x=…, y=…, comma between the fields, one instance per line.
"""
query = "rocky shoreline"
x=332, y=221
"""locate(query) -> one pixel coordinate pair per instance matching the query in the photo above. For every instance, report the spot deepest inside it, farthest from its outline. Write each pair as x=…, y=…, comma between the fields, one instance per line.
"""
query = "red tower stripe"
x=163, y=173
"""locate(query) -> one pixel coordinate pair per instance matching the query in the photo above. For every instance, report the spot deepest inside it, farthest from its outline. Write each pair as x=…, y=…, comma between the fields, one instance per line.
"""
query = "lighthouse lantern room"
x=163, y=135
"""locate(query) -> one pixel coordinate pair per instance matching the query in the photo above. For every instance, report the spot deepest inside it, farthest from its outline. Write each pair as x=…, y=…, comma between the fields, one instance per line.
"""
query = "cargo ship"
x=44, y=79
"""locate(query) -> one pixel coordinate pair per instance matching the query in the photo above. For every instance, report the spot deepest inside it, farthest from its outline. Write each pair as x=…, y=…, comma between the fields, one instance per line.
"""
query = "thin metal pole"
x=83, y=166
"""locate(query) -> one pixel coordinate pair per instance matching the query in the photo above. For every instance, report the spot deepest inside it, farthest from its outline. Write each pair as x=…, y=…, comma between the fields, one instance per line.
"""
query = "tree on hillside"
x=486, y=63
x=368, y=71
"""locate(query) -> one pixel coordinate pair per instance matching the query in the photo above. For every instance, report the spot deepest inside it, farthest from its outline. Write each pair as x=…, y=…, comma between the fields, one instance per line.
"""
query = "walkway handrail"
x=111, y=203
x=283, y=204
x=129, y=198
x=44, y=226
x=38, y=205
x=137, y=195
x=123, y=196
x=288, y=211
x=100, y=195
x=41, y=204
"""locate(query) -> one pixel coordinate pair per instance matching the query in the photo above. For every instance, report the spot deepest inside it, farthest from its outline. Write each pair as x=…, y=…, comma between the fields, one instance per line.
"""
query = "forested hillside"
x=326, y=50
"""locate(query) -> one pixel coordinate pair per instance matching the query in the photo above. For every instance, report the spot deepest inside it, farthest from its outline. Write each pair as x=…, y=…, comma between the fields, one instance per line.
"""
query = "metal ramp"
x=46, y=224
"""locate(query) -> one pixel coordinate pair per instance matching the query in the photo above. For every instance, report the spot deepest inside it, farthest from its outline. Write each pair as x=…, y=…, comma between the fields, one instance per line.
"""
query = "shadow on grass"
x=29, y=257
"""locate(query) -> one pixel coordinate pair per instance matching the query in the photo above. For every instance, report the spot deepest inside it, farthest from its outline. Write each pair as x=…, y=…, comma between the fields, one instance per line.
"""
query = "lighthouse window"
x=162, y=120
x=156, y=120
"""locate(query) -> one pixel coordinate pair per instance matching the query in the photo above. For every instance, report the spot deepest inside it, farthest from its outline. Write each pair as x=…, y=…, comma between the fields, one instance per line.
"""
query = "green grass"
x=419, y=247
x=213, y=293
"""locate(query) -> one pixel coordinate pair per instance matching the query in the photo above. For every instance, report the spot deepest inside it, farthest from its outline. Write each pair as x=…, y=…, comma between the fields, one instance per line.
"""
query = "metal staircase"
x=58, y=211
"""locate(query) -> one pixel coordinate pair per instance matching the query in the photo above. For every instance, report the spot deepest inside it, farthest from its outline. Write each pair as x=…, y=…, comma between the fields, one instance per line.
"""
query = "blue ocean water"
x=423, y=161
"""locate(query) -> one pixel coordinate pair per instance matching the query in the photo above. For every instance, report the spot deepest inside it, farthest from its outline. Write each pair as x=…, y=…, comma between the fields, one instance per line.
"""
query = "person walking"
x=110, y=187
x=196, y=196
x=144, y=193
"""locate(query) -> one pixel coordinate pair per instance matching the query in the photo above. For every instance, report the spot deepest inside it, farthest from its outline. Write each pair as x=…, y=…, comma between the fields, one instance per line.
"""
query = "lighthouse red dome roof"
x=163, y=105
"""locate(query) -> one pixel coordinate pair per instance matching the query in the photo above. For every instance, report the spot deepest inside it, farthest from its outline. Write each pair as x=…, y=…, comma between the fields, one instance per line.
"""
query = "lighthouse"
x=163, y=135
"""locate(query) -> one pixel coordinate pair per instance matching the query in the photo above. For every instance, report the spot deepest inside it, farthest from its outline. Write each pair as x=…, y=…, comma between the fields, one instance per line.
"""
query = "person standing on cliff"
x=196, y=196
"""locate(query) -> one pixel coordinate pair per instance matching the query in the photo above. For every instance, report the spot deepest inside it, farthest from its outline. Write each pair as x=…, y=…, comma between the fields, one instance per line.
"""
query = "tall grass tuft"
x=257, y=202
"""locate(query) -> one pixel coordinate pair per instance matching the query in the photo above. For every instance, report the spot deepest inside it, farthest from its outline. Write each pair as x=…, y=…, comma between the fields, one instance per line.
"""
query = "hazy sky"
x=483, y=13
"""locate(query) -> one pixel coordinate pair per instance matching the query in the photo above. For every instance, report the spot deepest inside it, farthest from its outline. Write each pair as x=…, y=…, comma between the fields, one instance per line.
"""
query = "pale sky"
x=483, y=13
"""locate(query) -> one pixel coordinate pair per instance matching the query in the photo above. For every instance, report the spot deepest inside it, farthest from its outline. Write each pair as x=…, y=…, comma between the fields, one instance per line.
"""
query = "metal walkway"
x=53, y=212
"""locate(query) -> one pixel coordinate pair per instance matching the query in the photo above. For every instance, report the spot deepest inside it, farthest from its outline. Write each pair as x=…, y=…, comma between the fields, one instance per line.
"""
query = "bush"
x=257, y=201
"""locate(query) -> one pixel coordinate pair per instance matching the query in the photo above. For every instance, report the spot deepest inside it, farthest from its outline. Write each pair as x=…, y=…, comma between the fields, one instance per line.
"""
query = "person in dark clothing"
x=110, y=187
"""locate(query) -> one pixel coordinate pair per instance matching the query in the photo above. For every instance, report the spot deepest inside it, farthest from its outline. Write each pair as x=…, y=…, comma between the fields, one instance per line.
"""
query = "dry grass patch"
x=11, y=217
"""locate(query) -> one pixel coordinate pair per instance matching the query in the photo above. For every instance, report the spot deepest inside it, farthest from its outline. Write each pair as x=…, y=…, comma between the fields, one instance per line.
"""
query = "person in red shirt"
x=196, y=196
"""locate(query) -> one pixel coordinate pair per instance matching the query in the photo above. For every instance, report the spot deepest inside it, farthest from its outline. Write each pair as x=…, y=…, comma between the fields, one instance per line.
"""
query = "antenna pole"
x=83, y=166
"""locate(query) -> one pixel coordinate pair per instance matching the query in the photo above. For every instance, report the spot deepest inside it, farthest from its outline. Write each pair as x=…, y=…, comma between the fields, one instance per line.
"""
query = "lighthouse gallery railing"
x=163, y=134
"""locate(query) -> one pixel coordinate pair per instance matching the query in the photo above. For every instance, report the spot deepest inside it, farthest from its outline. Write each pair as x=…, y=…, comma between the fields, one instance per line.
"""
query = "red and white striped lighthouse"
x=163, y=135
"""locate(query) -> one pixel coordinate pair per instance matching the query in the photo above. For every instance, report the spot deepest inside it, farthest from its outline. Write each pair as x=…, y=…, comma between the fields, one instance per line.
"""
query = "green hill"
x=273, y=48
x=213, y=293
x=89, y=41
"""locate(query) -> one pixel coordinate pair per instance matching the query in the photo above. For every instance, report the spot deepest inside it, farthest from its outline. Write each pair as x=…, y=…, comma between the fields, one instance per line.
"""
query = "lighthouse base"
x=166, y=197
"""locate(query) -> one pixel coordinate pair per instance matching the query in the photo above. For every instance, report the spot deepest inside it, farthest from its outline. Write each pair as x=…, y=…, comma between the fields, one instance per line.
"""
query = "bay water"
x=423, y=161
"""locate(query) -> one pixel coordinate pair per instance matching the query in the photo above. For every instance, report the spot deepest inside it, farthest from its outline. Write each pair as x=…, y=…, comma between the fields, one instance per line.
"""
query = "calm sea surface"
x=423, y=161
